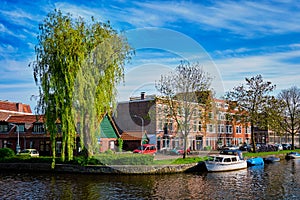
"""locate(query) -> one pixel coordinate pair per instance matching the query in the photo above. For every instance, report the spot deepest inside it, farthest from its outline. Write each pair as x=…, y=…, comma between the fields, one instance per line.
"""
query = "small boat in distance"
x=293, y=155
x=220, y=163
x=271, y=159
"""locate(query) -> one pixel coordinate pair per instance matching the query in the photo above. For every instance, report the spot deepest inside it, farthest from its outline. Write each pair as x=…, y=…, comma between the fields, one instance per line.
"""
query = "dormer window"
x=38, y=128
x=3, y=128
x=21, y=128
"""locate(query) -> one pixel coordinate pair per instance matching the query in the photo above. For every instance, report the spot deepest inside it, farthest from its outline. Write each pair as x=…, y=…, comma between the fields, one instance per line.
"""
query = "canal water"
x=273, y=181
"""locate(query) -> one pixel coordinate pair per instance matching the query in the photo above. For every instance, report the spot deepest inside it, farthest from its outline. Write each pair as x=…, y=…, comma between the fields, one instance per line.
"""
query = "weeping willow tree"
x=77, y=67
x=95, y=86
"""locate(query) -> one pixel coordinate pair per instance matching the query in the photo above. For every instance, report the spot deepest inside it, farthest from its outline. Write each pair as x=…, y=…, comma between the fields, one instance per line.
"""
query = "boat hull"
x=293, y=155
x=271, y=159
x=220, y=167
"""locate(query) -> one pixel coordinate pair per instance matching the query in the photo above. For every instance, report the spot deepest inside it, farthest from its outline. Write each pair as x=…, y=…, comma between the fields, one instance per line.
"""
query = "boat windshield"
x=218, y=159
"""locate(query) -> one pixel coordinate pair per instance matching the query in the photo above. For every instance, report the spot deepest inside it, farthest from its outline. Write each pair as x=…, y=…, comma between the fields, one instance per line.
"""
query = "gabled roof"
x=107, y=129
x=14, y=107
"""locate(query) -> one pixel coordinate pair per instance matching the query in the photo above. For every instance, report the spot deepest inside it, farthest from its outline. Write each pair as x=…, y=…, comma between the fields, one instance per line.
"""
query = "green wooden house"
x=108, y=134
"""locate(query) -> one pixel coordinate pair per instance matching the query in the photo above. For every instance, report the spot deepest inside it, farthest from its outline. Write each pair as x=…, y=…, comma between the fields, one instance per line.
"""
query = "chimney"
x=142, y=95
x=20, y=107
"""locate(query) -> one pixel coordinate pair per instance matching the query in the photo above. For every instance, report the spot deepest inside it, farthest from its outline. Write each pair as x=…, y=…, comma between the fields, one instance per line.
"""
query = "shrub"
x=125, y=159
x=109, y=151
x=207, y=148
x=120, y=143
x=6, y=153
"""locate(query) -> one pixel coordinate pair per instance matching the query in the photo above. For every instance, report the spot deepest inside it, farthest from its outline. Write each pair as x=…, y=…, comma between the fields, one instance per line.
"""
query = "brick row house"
x=216, y=129
x=21, y=129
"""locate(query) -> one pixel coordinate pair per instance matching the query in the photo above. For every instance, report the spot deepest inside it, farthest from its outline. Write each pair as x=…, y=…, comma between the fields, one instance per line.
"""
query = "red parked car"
x=146, y=149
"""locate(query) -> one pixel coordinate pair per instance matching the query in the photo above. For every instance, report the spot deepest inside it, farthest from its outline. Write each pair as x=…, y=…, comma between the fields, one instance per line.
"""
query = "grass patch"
x=179, y=161
x=262, y=154
x=124, y=159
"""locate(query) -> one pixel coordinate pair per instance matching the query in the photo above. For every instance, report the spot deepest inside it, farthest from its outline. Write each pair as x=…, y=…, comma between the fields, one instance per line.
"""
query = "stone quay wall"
x=109, y=169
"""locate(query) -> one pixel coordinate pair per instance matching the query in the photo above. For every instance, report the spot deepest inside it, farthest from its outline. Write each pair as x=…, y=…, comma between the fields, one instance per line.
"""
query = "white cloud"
x=5, y=30
x=20, y=17
x=80, y=11
x=243, y=18
x=272, y=66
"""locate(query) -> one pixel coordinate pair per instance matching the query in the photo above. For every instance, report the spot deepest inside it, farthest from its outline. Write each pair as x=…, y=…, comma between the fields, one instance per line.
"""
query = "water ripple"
x=273, y=181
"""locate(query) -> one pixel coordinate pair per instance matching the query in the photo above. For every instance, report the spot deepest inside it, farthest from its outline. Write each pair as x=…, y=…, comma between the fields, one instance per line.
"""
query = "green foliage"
x=25, y=159
x=251, y=101
x=77, y=68
x=125, y=159
x=109, y=152
x=120, y=143
x=262, y=154
x=188, y=160
x=6, y=153
x=207, y=148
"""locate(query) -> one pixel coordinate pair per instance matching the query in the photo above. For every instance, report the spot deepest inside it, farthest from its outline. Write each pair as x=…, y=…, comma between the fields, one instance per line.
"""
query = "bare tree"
x=291, y=112
x=181, y=88
x=251, y=100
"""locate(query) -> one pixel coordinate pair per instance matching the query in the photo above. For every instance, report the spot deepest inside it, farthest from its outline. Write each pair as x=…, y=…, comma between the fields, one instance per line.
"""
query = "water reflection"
x=272, y=181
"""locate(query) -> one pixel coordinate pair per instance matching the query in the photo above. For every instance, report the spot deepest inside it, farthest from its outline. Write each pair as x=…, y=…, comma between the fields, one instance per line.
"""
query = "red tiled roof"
x=15, y=107
x=25, y=119
x=4, y=116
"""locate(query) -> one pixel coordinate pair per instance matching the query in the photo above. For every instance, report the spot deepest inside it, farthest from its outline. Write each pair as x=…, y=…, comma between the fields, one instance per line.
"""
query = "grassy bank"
x=265, y=154
x=127, y=159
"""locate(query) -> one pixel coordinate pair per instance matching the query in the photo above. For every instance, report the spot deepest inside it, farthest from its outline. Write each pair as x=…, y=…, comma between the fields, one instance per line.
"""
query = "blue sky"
x=230, y=39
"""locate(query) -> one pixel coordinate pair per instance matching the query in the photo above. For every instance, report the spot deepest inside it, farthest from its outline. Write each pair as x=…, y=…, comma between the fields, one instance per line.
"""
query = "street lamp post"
x=18, y=143
x=142, y=129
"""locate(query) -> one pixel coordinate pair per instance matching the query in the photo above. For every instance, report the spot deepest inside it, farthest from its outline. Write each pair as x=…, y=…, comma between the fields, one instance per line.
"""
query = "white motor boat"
x=218, y=163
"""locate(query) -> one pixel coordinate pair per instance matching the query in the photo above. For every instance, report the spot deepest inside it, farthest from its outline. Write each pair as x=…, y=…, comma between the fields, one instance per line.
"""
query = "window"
x=3, y=128
x=200, y=113
x=170, y=126
x=38, y=128
x=221, y=116
x=228, y=129
x=195, y=126
x=226, y=106
x=248, y=129
x=199, y=126
x=221, y=128
x=58, y=147
x=58, y=127
x=21, y=127
x=160, y=125
x=210, y=128
x=211, y=115
x=194, y=112
x=111, y=145
x=238, y=129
